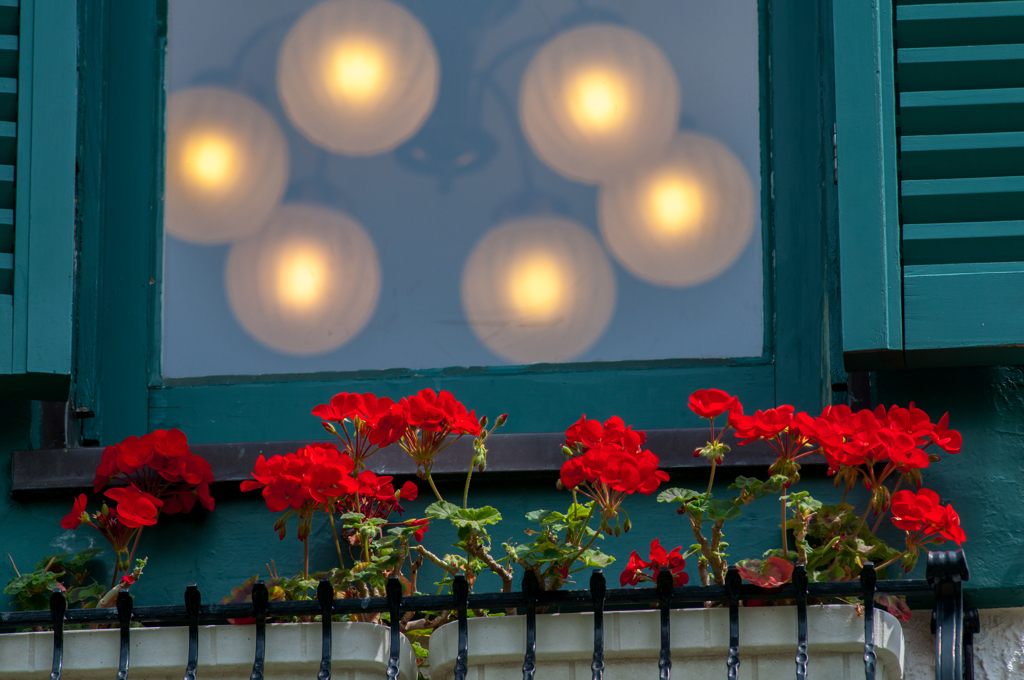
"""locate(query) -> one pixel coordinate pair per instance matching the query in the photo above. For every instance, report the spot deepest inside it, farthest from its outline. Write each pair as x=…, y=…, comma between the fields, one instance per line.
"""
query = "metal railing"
x=953, y=627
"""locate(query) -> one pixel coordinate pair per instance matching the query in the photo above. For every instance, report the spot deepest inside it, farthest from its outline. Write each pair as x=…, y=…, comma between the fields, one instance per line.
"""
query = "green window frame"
x=118, y=306
x=930, y=157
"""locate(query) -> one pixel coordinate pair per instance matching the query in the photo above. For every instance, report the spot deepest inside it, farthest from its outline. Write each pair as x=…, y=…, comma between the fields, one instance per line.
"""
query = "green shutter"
x=960, y=69
x=958, y=126
x=38, y=124
x=870, y=276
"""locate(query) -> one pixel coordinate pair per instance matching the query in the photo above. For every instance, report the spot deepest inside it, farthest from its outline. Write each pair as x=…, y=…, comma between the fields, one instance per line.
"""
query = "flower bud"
x=567, y=452
x=501, y=420
x=626, y=525
x=483, y=422
x=328, y=427
x=880, y=499
x=105, y=510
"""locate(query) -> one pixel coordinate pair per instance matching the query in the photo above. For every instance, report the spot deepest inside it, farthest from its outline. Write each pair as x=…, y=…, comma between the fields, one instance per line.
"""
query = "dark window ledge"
x=519, y=454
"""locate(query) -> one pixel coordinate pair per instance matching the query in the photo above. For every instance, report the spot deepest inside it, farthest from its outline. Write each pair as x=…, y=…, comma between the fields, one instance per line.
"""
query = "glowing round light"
x=684, y=219
x=307, y=282
x=597, y=100
x=538, y=289
x=227, y=165
x=358, y=77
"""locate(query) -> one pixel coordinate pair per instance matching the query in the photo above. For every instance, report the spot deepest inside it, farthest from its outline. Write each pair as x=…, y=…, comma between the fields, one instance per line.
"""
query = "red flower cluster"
x=899, y=436
x=613, y=460
x=925, y=518
x=162, y=476
x=440, y=412
x=314, y=474
x=421, y=424
x=320, y=477
x=181, y=478
x=659, y=558
x=377, y=422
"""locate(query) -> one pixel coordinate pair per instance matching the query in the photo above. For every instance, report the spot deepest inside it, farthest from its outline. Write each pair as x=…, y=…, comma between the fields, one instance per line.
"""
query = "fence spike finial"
x=733, y=584
x=192, y=603
x=530, y=588
x=598, y=590
x=460, y=594
x=394, y=593
x=260, y=600
x=868, y=579
x=325, y=595
x=664, y=584
x=58, y=605
x=124, y=616
x=800, y=583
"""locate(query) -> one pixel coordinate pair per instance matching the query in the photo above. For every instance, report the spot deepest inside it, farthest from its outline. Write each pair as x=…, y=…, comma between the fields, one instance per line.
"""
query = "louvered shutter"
x=930, y=158
x=38, y=124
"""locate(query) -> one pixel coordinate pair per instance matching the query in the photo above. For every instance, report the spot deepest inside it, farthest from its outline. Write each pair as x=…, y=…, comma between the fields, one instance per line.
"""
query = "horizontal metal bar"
x=616, y=598
x=58, y=469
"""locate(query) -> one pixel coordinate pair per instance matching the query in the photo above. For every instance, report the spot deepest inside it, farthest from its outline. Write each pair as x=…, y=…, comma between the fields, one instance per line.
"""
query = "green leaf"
x=723, y=510
x=676, y=495
x=537, y=515
x=441, y=510
x=78, y=561
x=57, y=560
x=94, y=592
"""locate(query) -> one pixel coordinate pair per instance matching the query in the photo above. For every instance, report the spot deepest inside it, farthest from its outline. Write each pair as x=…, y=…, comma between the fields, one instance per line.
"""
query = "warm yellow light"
x=301, y=277
x=358, y=77
x=674, y=206
x=536, y=288
x=210, y=160
x=358, y=71
x=598, y=101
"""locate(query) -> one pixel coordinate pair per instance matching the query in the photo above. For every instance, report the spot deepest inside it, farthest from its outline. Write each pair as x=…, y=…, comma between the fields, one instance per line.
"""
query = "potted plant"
x=883, y=449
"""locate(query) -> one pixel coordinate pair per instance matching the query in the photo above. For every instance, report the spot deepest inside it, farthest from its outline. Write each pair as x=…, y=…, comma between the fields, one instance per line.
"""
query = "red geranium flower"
x=659, y=558
x=135, y=508
x=711, y=403
x=77, y=515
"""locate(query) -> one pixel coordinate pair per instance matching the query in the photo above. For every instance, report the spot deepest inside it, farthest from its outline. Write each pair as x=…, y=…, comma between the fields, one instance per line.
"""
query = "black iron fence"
x=953, y=627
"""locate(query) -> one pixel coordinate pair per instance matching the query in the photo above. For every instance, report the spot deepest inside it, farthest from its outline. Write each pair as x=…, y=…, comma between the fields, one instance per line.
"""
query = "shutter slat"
x=958, y=242
x=963, y=199
x=965, y=67
x=939, y=112
x=964, y=23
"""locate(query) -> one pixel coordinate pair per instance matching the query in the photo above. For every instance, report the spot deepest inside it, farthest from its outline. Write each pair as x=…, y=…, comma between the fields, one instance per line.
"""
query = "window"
x=120, y=375
x=370, y=184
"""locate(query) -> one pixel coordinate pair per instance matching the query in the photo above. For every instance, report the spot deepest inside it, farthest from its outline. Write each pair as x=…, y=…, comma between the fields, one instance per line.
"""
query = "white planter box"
x=700, y=644
x=359, y=650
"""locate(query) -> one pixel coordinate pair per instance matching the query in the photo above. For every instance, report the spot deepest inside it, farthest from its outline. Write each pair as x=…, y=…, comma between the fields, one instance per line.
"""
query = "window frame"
x=118, y=330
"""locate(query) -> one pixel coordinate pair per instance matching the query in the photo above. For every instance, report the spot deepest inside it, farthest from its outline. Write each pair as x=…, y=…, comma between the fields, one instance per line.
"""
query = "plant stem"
x=305, y=557
x=785, y=541
x=337, y=544
x=714, y=464
x=128, y=567
x=14, y=565
x=465, y=492
x=430, y=480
